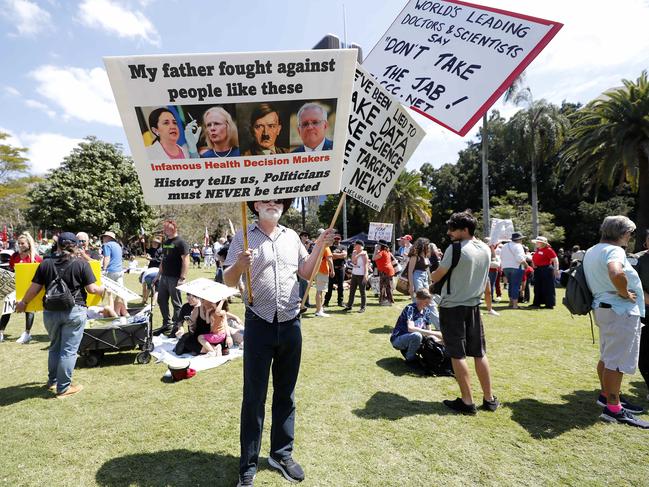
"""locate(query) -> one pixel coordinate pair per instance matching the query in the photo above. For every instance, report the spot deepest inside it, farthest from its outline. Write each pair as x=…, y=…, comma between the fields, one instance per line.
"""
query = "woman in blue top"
x=221, y=133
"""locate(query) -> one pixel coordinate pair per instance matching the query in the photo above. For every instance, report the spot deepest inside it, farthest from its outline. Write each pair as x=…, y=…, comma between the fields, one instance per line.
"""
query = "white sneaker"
x=2, y=337
x=493, y=312
x=321, y=314
x=498, y=299
x=25, y=338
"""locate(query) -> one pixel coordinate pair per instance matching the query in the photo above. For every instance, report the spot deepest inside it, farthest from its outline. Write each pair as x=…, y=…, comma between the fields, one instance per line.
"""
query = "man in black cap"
x=64, y=326
x=275, y=258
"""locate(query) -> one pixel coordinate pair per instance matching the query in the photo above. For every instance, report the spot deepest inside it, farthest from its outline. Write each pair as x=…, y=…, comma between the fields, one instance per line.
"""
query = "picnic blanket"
x=164, y=351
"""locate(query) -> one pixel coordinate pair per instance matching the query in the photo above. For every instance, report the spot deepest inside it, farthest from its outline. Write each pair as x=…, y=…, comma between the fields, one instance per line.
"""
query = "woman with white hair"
x=618, y=304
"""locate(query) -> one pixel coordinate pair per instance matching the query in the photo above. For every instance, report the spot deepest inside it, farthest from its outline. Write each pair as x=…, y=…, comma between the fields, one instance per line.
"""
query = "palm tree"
x=536, y=134
x=610, y=143
x=408, y=201
x=516, y=94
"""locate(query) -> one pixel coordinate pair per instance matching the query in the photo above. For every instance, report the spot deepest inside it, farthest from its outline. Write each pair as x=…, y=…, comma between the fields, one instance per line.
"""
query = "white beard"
x=269, y=214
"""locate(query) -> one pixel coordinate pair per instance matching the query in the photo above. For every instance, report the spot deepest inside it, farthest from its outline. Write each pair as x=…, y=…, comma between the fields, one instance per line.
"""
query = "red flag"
x=40, y=235
x=207, y=237
x=4, y=233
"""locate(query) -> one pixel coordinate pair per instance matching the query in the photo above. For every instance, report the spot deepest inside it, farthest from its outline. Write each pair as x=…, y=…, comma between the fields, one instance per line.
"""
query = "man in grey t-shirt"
x=459, y=311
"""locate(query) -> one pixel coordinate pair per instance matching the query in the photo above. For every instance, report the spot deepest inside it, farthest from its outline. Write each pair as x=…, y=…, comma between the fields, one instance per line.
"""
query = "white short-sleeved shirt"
x=595, y=264
x=511, y=255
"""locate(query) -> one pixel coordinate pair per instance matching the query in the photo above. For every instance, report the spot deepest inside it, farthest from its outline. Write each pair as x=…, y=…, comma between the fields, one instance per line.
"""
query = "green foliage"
x=95, y=189
x=12, y=163
x=193, y=219
x=407, y=203
x=515, y=206
x=591, y=216
x=610, y=143
x=293, y=219
x=359, y=216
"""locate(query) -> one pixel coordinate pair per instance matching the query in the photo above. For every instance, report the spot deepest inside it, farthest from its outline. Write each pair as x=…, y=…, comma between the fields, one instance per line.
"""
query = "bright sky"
x=54, y=90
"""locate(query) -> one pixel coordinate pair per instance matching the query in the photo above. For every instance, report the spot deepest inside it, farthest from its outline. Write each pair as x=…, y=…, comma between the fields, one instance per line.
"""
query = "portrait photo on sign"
x=189, y=131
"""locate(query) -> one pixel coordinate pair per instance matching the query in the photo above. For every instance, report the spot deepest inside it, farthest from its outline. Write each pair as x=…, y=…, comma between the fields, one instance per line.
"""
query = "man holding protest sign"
x=312, y=125
x=265, y=126
x=275, y=258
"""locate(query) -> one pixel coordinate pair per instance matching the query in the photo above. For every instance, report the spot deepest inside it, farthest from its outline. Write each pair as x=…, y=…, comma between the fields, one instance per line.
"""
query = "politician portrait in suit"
x=312, y=126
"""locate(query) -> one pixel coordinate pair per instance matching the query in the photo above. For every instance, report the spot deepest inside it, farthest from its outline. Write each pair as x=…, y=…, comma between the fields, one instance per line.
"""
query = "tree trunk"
x=642, y=220
x=535, y=203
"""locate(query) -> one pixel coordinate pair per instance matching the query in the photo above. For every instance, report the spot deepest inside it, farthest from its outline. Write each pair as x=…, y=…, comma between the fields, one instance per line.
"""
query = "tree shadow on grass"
x=387, y=405
x=14, y=394
x=638, y=389
x=385, y=329
x=180, y=468
x=545, y=421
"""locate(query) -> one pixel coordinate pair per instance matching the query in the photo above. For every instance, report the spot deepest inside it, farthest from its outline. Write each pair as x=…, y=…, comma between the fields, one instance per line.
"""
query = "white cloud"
x=116, y=19
x=11, y=91
x=83, y=94
x=47, y=150
x=28, y=18
x=40, y=106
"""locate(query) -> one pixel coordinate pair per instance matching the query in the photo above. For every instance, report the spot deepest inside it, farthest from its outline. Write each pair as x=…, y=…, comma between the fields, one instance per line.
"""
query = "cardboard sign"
x=380, y=231
x=450, y=60
x=381, y=138
x=119, y=290
x=7, y=283
x=209, y=290
x=240, y=114
x=25, y=274
x=9, y=304
x=501, y=230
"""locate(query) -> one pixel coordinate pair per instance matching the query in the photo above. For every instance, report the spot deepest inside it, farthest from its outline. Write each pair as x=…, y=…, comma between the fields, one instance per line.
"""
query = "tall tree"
x=12, y=163
x=95, y=189
x=610, y=144
x=536, y=134
x=409, y=201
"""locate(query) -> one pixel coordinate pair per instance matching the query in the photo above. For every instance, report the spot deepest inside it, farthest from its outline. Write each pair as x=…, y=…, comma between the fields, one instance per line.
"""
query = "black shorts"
x=462, y=330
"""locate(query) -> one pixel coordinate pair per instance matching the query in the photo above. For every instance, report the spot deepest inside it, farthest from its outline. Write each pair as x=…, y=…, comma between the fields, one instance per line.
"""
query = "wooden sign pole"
x=244, y=223
x=321, y=253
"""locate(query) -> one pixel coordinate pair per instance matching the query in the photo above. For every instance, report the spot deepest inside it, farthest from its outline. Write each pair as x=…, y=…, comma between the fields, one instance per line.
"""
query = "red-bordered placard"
x=451, y=60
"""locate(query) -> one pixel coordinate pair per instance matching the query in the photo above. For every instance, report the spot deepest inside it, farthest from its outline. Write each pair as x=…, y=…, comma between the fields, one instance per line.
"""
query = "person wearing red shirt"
x=546, y=269
x=383, y=260
x=26, y=254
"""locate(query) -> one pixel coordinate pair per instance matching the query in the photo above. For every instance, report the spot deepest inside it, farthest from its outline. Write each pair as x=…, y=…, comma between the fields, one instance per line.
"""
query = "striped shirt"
x=273, y=272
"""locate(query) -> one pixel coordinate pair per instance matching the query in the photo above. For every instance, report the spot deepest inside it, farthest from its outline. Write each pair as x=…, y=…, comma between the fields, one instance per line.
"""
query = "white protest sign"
x=380, y=231
x=209, y=290
x=500, y=230
x=450, y=60
x=381, y=138
x=215, y=128
x=9, y=304
x=7, y=282
x=119, y=290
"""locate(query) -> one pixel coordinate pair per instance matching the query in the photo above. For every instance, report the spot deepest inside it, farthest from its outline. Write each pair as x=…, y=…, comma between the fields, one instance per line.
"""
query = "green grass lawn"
x=363, y=419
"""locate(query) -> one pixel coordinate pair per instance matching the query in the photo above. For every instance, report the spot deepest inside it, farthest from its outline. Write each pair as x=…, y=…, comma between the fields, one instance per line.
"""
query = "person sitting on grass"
x=219, y=334
x=412, y=326
x=235, y=325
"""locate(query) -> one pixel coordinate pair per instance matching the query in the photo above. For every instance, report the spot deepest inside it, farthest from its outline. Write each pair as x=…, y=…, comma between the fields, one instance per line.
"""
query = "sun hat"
x=108, y=234
x=286, y=202
x=517, y=236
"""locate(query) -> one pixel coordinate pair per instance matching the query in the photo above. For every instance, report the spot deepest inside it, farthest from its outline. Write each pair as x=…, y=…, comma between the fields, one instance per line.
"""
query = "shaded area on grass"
x=387, y=329
x=387, y=405
x=21, y=392
x=111, y=358
x=397, y=366
x=545, y=421
x=172, y=467
x=639, y=389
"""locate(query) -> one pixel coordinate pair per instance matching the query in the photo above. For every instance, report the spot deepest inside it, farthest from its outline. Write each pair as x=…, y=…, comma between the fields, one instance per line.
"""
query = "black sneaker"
x=490, y=405
x=632, y=408
x=341, y=304
x=291, y=470
x=623, y=417
x=459, y=407
x=246, y=480
x=362, y=310
x=347, y=308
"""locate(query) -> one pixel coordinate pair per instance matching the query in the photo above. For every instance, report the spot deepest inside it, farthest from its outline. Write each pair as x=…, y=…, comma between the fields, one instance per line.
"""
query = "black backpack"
x=58, y=296
x=434, y=358
x=436, y=288
x=578, y=298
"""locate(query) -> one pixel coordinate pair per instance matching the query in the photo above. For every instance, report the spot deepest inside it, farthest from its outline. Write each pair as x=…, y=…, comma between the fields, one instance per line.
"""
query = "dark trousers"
x=356, y=282
x=167, y=289
x=29, y=321
x=337, y=279
x=269, y=346
x=544, y=291
x=643, y=358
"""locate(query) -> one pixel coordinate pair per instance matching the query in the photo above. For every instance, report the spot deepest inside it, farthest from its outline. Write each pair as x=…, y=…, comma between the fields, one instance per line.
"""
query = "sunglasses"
x=267, y=202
